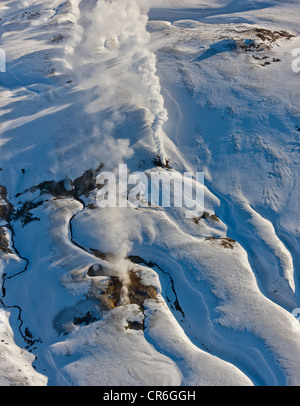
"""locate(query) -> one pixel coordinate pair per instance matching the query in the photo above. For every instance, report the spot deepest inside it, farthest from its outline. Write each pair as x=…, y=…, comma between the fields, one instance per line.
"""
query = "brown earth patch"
x=4, y=245
x=225, y=242
x=206, y=216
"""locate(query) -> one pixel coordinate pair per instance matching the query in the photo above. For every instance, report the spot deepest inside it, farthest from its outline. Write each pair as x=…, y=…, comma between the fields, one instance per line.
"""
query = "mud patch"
x=30, y=15
x=24, y=213
x=224, y=242
x=138, y=292
x=105, y=295
x=206, y=216
x=83, y=313
x=87, y=182
x=110, y=296
x=264, y=40
x=272, y=36
x=4, y=243
x=62, y=189
x=157, y=162
x=6, y=209
x=138, y=260
x=82, y=185
x=134, y=325
x=56, y=39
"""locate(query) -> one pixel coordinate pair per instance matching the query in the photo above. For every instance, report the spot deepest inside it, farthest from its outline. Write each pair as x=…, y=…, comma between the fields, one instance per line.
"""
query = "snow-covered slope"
x=151, y=295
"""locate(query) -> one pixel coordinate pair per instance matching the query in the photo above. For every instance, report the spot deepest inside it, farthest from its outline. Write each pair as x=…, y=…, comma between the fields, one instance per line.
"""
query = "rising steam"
x=118, y=33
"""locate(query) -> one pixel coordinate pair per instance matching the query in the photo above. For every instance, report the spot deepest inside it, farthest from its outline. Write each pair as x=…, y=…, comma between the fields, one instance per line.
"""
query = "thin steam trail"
x=120, y=27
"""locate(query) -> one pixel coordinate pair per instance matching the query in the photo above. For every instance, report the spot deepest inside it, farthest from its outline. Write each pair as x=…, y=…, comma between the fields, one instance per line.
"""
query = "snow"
x=16, y=364
x=115, y=357
x=149, y=295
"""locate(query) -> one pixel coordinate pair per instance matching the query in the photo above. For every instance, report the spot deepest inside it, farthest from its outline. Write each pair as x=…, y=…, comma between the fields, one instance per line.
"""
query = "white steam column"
x=118, y=33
